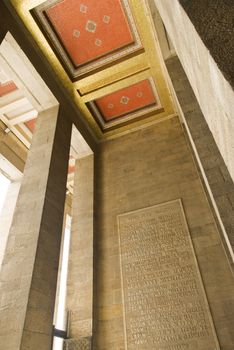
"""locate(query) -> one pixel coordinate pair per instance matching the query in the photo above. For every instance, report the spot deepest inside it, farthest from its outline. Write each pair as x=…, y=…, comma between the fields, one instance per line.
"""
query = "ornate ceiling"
x=23, y=95
x=105, y=53
x=6, y=84
x=7, y=87
x=88, y=35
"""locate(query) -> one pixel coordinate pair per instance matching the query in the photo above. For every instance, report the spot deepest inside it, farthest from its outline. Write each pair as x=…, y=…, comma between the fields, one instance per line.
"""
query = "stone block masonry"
x=142, y=169
x=217, y=174
x=213, y=92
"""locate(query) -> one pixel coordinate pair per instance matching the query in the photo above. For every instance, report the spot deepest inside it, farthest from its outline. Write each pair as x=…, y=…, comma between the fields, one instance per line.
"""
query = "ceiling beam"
x=24, y=117
x=13, y=105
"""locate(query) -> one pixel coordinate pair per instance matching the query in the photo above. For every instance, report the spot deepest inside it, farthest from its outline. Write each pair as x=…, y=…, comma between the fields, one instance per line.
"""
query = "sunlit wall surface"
x=4, y=183
x=61, y=313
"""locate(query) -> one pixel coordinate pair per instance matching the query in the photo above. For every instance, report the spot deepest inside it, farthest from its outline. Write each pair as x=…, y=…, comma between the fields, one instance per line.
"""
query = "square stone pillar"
x=80, y=270
x=29, y=268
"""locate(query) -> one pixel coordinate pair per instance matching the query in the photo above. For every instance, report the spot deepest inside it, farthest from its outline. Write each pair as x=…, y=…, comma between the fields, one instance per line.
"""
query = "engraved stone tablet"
x=77, y=344
x=165, y=306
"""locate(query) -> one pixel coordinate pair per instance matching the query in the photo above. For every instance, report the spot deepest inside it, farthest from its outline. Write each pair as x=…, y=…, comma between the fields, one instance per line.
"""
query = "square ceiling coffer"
x=122, y=106
x=88, y=35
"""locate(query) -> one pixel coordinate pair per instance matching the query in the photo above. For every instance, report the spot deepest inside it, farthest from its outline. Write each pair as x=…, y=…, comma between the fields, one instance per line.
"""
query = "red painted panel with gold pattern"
x=89, y=28
x=124, y=101
x=134, y=102
x=6, y=88
x=88, y=34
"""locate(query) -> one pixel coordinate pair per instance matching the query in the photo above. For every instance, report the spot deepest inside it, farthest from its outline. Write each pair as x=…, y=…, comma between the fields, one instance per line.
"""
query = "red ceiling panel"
x=31, y=124
x=7, y=88
x=124, y=101
x=90, y=29
x=71, y=169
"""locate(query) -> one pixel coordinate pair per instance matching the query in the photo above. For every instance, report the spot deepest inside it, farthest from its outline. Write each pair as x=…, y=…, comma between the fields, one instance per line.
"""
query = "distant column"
x=80, y=270
x=29, y=268
x=7, y=215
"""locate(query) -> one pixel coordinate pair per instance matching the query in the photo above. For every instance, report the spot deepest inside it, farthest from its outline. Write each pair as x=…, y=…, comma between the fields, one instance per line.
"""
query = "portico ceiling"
x=23, y=96
x=106, y=55
x=7, y=87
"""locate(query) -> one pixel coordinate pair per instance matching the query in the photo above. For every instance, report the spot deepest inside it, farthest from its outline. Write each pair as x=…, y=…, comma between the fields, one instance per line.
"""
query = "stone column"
x=80, y=271
x=30, y=264
x=7, y=215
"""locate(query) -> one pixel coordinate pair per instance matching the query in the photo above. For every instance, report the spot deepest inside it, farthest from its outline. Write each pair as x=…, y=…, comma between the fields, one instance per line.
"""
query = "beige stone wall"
x=145, y=168
x=212, y=90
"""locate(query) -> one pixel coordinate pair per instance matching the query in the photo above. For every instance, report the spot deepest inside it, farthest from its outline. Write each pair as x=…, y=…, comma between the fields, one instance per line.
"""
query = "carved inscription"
x=165, y=306
x=77, y=344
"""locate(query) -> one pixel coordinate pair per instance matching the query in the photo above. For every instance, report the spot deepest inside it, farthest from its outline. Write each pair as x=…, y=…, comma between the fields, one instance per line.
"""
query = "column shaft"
x=80, y=273
x=29, y=268
x=7, y=215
